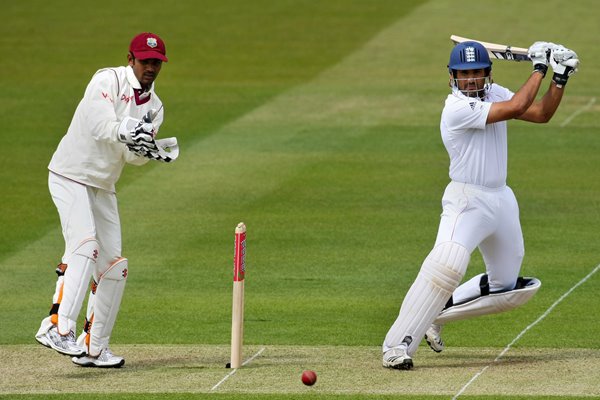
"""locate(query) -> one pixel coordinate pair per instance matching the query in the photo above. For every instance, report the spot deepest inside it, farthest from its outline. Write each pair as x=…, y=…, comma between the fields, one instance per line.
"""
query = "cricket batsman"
x=479, y=209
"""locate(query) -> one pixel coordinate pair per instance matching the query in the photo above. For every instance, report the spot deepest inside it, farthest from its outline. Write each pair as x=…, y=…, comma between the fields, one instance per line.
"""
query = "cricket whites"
x=237, y=313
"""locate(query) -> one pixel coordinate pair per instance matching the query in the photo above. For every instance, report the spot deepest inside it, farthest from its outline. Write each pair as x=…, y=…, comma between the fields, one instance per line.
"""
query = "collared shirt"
x=89, y=152
x=477, y=151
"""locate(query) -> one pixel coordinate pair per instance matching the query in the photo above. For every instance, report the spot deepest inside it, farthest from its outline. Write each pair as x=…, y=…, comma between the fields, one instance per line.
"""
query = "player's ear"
x=130, y=58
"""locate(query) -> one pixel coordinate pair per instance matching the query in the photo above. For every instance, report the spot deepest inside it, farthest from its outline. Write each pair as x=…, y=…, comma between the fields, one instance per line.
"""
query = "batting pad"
x=439, y=276
x=107, y=302
x=492, y=303
x=75, y=282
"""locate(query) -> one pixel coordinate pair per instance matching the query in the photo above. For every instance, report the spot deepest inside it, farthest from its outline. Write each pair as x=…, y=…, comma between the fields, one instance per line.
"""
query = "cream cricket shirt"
x=478, y=152
x=90, y=153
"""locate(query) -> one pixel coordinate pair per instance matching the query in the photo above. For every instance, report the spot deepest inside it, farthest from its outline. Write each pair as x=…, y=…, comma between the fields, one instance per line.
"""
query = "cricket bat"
x=498, y=51
x=237, y=311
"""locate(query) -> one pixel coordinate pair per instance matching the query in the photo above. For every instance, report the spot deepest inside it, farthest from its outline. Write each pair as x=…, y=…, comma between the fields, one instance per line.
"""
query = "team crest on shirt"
x=151, y=42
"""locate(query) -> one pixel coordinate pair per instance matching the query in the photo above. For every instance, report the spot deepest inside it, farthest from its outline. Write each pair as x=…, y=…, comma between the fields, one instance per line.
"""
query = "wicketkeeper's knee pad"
x=107, y=302
x=439, y=276
x=74, y=284
x=491, y=303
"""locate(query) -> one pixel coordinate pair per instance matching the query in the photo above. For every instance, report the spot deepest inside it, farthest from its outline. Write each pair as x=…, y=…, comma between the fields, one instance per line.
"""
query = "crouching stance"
x=479, y=209
x=115, y=123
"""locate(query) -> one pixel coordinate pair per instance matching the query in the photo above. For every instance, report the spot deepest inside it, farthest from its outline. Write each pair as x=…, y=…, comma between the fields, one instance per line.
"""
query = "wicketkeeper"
x=479, y=209
x=115, y=123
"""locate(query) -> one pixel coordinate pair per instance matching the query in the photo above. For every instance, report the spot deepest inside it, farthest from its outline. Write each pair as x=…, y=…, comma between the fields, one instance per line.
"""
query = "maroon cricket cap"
x=148, y=45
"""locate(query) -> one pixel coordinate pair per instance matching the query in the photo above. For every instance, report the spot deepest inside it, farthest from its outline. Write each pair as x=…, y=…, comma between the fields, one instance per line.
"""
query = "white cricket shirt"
x=478, y=152
x=89, y=152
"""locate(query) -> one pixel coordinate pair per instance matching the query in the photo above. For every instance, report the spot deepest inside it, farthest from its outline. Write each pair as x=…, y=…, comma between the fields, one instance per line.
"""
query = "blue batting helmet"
x=469, y=55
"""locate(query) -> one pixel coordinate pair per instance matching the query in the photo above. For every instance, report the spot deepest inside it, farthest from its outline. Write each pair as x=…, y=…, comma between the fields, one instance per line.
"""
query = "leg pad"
x=492, y=303
x=107, y=302
x=439, y=276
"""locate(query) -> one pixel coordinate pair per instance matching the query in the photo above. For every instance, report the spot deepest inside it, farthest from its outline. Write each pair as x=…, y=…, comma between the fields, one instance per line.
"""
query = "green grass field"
x=317, y=124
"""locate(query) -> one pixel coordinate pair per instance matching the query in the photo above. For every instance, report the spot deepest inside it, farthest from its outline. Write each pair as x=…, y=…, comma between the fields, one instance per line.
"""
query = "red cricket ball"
x=309, y=377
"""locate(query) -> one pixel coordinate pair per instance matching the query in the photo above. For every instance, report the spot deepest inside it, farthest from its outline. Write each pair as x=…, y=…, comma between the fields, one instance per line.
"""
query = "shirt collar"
x=133, y=80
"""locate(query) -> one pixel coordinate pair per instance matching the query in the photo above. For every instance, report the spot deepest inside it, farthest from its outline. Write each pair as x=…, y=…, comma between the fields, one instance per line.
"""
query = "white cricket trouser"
x=472, y=217
x=92, y=232
x=487, y=218
x=87, y=212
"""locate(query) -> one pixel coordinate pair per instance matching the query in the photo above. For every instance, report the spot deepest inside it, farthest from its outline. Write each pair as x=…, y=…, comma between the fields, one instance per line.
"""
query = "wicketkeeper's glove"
x=167, y=150
x=138, y=136
x=138, y=132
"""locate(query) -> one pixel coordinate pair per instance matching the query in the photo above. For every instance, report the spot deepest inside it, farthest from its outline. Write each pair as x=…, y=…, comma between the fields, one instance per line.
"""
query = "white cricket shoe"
x=434, y=338
x=44, y=327
x=106, y=359
x=64, y=344
x=397, y=358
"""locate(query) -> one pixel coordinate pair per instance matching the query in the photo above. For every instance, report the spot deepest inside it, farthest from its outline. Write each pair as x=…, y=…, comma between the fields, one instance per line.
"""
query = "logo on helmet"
x=151, y=42
x=470, y=54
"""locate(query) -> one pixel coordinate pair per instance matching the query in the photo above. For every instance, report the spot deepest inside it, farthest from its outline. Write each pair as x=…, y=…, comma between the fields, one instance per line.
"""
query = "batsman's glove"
x=564, y=63
x=539, y=52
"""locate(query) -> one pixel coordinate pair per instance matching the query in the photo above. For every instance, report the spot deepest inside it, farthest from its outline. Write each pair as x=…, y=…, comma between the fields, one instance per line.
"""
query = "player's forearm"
x=518, y=105
x=549, y=103
x=525, y=96
x=543, y=110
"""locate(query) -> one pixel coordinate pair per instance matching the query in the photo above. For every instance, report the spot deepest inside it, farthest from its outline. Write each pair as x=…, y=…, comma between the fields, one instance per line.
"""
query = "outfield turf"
x=315, y=123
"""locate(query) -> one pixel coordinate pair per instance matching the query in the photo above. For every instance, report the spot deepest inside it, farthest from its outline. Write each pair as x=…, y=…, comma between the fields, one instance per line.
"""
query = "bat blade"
x=498, y=51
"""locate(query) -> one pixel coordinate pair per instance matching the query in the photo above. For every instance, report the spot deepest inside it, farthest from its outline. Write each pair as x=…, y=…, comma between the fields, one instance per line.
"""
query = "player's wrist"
x=541, y=68
x=560, y=80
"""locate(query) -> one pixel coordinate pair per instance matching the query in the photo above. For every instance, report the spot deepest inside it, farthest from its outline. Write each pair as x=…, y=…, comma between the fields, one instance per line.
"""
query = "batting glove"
x=564, y=63
x=539, y=52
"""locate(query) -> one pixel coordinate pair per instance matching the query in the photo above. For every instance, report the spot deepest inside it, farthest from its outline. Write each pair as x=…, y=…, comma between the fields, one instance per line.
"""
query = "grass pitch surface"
x=276, y=370
x=315, y=123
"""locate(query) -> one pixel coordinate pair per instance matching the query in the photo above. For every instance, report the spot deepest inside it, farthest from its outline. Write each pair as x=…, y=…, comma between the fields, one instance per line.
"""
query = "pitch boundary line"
x=229, y=375
x=544, y=315
x=578, y=111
